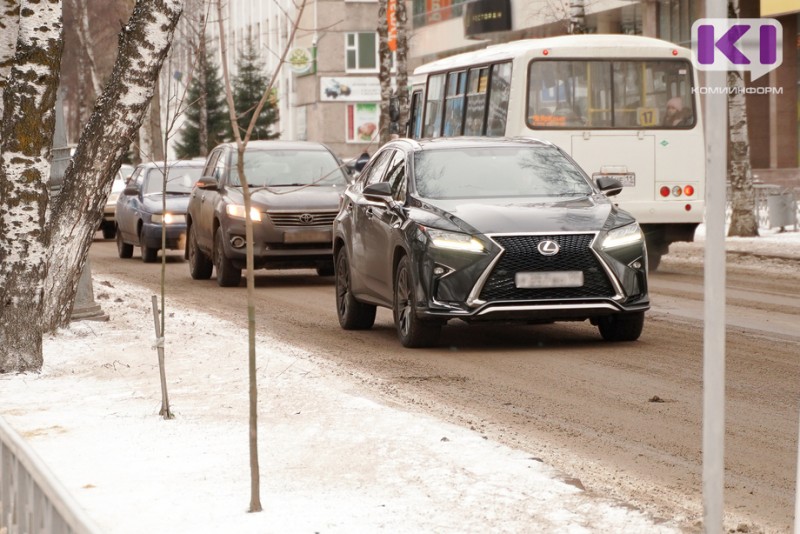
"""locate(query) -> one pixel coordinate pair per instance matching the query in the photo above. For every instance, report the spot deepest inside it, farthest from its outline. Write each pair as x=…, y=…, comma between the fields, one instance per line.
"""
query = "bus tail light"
x=676, y=191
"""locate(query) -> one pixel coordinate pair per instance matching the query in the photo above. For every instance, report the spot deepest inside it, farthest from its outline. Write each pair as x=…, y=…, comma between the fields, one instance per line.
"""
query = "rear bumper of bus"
x=666, y=211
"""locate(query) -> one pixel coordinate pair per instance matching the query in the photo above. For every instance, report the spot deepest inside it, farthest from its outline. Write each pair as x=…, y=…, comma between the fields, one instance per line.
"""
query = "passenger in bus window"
x=676, y=114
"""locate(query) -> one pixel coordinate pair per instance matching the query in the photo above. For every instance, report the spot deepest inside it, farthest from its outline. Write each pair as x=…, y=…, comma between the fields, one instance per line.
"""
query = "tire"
x=353, y=315
x=124, y=250
x=627, y=327
x=227, y=274
x=200, y=265
x=149, y=255
x=412, y=331
x=326, y=270
x=109, y=231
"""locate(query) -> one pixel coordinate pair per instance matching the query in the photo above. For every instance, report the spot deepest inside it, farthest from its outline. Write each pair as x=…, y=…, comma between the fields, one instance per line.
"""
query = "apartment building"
x=330, y=92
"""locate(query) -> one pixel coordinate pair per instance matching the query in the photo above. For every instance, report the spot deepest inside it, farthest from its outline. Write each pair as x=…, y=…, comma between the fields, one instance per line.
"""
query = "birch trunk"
x=384, y=74
x=25, y=147
x=402, y=64
x=740, y=174
x=118, y=114
x=9, y=28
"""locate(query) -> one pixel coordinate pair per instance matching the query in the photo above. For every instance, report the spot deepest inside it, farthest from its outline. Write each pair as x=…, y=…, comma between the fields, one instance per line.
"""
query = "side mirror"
x=609, y=186
x=208, y=183
x=380, y=192
x=130, y=190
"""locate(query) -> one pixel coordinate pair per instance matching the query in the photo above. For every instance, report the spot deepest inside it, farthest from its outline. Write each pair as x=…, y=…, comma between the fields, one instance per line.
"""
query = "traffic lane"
x=757, y=301
x=624, y=418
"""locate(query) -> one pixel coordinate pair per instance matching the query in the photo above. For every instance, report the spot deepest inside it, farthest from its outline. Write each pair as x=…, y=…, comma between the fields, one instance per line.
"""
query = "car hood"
x=176, y=202
x=516, y=215
x=294, y=198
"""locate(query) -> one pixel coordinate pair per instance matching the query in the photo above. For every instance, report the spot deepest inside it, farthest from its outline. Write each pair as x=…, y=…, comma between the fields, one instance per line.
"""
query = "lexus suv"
x=486, y=229
x=296, y=188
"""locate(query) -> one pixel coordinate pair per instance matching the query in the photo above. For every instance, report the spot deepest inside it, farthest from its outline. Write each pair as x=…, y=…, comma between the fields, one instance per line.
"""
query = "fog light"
x=636, y=265
x=439, y=270
x=238, y=242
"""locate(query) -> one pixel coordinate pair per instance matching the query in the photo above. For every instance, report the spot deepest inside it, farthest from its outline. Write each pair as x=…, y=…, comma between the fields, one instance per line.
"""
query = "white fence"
x=32, y=501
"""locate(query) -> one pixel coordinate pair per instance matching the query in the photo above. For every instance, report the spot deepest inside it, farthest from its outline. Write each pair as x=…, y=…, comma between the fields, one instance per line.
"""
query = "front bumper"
x=176, y=236
x=483, y=287
x=280, y=247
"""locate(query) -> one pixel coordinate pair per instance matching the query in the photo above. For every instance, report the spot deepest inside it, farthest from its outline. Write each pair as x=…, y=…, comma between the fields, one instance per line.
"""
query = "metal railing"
x=765, y=195
x=32, y=500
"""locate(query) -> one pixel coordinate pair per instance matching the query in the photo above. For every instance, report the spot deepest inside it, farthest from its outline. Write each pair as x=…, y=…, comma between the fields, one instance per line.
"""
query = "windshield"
x=489, y=172
x=575, y=94
x=275, y=168
x=180, y=180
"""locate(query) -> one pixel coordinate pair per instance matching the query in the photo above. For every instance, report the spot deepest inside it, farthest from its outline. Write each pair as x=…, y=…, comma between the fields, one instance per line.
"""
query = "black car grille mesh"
x=303, y=218
x=521, y=255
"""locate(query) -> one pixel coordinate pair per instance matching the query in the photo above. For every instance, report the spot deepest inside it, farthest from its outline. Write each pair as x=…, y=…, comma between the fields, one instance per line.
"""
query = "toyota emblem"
x=306, y=218
x=548, y=248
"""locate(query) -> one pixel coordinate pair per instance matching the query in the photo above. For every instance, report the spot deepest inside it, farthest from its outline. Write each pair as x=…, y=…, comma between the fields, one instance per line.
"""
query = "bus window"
x=577, y=93
x=558, y=94
x=499, y=91
x=415, y=120
x=476, y=101
x=433, y=106
x=454, y=104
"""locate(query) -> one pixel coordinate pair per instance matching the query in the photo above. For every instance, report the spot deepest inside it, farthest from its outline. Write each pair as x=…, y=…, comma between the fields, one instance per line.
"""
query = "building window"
x=675, y=19
x=361, y=50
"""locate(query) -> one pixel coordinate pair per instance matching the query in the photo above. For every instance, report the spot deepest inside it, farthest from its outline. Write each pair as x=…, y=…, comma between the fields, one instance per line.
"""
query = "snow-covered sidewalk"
x=331, y=459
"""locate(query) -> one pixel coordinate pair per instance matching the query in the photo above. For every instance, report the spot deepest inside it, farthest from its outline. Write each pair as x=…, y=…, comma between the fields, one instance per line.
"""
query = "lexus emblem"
x=306, y=218
x=548, y=248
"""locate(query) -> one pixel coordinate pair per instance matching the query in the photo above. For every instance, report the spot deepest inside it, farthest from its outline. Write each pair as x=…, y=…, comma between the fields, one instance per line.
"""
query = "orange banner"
x=391, y=16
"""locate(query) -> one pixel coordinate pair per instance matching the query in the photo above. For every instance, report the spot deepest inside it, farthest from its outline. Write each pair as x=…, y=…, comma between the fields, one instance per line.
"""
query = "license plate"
x=549, y=279
x=312, y=236
x=627, y=179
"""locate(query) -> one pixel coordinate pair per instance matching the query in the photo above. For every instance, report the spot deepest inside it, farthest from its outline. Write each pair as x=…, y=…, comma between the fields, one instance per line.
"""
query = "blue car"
x=147, y=205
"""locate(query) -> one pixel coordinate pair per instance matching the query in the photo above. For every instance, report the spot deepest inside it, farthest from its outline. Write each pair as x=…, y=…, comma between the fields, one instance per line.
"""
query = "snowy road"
x=621, y=420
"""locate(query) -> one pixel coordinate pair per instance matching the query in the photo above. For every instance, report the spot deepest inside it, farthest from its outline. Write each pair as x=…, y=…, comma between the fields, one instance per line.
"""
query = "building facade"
x=329, y=90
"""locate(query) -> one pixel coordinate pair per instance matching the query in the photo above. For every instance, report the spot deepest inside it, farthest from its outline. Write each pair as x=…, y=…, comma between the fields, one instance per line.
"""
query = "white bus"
x=620, y=105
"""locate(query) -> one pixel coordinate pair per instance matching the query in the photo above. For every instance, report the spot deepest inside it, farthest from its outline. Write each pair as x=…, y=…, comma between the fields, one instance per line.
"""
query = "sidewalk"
x=331, y=459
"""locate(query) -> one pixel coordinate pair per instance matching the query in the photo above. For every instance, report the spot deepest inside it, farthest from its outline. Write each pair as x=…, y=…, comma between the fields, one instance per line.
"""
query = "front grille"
x=302, y=218
x=521, y=255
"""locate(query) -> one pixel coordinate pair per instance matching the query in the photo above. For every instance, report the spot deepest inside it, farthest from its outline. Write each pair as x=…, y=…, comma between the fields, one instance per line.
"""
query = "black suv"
x=296, y=190
x=484, y=229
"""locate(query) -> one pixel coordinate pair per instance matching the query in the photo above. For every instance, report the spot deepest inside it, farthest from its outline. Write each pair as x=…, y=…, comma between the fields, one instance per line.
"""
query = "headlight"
x=237, y=211
x=454, y=241
x=623, y=236
x=168, y=218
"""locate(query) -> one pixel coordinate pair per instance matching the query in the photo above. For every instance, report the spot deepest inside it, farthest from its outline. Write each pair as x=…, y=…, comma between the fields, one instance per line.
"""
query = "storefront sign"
x=301, y=60
x=350, y=89
x=362, y=122
x=486, y=16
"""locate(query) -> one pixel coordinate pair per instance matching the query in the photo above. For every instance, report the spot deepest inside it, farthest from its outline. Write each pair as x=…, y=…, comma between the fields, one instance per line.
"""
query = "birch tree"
x=392, y=19
x=41, y=259
x=26, y=139
x=740, y=173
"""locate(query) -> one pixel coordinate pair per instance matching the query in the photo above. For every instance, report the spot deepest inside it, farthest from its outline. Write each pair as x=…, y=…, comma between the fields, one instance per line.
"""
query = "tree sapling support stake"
x=165, y=412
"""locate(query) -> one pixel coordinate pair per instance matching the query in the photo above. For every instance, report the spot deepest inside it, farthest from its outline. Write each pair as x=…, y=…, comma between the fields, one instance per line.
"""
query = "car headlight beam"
x=168, y=218
x=454, y=241
x=237, y=212
x=623, y=236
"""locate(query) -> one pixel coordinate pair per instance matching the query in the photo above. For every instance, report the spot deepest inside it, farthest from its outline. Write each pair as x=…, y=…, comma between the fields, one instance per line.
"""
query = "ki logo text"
x=754, y=45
